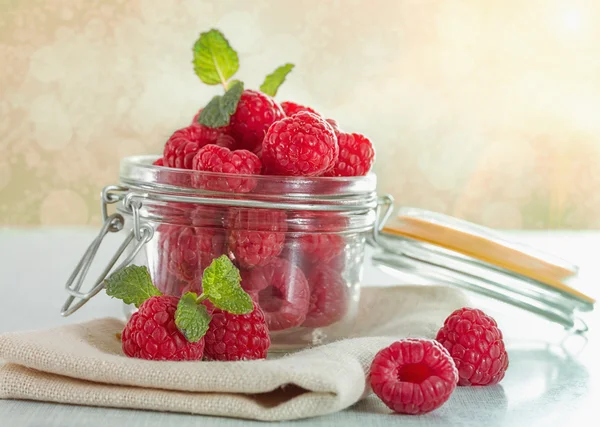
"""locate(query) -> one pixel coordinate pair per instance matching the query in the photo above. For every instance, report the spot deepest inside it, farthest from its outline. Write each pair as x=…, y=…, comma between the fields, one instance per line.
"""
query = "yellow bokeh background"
x=487, y=110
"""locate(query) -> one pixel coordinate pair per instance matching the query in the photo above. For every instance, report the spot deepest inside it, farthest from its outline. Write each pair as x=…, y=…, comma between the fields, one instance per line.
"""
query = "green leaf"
x=275, y=79
x=221, y=284
x=219, y=110
x=131, y=284
x=215, y=61
x=191, y=318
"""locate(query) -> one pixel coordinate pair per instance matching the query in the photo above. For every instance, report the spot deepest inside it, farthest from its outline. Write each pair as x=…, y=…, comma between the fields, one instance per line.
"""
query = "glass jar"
x=298, y=242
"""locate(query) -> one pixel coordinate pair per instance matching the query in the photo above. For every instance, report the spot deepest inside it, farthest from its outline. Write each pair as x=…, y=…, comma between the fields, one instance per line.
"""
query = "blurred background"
x=487, y=110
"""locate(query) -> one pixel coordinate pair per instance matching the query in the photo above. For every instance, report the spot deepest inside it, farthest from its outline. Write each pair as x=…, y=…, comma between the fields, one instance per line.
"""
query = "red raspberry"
x=475, y=342
x=356, y=155
x=254, y=114
x=151, y=333
x=334, y=125
x=237, y=337
x=315, y=221
x=166, y=282
x=328, y=297
x=187, y=251
x=321, y=247
x=281, y=291
x=213, y=158
x=256, y=236
x=208, y=216
x=227, y=141
x=413, y=376
x=301, y=145
x=158, y=162
x=196, y=287
x=223, y=139
x=183, y=145
x=179, y=210
x=319, y=241
x=291, y=108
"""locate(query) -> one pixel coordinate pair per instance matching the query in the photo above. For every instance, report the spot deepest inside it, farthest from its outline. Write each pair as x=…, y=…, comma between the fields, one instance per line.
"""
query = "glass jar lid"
x=440, y=248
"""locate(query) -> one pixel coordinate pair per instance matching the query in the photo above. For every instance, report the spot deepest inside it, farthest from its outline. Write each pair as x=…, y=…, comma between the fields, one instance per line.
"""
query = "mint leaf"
x=221, y=284
x=219, y=110
x=275, y=79
x=191, y=318
x=214, y=59
x=131, y=284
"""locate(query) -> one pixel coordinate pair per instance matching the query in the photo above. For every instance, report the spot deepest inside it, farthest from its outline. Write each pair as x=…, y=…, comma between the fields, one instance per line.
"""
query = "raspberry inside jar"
x=297, y=241
x=282, y=291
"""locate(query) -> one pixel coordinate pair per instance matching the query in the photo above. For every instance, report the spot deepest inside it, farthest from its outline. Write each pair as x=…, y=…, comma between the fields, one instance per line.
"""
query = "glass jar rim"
x=139, y=172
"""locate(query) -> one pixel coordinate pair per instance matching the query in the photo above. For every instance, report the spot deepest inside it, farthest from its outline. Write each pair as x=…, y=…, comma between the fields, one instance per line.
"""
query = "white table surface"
x=547, y=383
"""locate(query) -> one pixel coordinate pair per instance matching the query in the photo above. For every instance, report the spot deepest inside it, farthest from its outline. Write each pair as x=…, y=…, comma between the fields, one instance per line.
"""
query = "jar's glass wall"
x=297, y=241
x=306, y=283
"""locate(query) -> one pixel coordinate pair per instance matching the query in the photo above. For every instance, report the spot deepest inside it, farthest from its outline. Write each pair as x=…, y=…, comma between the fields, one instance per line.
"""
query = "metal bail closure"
x=112, y=224
x=385, y=208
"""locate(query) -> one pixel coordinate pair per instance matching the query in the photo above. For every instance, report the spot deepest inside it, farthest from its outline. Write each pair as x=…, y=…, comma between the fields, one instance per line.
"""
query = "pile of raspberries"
x=266, y=138
x=296, y=281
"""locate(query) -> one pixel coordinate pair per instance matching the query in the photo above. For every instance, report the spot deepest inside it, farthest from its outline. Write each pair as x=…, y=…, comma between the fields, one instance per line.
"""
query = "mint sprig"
x=276, y=79
x=221, y=285
x=131, y=284
x=191, y=318
x=215, y=61
x=218, y=111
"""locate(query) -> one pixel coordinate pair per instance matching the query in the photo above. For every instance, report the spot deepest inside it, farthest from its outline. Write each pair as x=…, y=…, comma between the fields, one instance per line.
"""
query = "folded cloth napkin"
x=83, y=364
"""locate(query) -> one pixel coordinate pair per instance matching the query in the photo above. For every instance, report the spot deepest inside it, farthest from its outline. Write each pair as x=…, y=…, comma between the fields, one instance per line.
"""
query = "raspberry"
x=151, y=333
x=237, y=337
x=413, y=376
x=328, y=297
x=168, y=283
x=334, y=125
x=321, y=247
x=315, y=221
x=319, y=241
x=255, y=235
x=254, y=114
x=281, y=291
x=208, y=216
x=475, y=342
x=183, y=145
x=213, y=158
x=170, y=209
x=225, y=140
x=356, y=155
x=187, y=251
x=194, y=286
x=291, y=108
x=301, y=145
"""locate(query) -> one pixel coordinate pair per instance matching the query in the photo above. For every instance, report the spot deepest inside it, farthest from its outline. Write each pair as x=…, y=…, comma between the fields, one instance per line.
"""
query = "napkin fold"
x=83, y=364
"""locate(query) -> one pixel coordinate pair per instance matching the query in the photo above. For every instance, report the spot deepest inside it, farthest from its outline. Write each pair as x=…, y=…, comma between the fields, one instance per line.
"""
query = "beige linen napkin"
x=83, y=364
